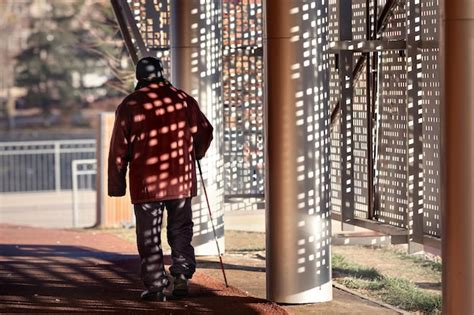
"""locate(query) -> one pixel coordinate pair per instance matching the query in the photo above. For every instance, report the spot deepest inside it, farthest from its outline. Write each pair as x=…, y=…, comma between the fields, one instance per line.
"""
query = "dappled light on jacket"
x=159, y=132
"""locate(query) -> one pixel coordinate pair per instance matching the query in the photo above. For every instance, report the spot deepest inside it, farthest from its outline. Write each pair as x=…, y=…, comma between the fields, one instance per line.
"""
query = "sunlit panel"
x=152, y=18
x=243, y=96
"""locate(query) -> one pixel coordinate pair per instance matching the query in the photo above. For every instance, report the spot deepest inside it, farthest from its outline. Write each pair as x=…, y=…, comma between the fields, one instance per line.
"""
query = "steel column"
x=370, y=93
x=297, y=153
x=457, y=51
x=414, y=126
x=347, y=129
x=196, y=68
x=181, y=43
x=116, y=5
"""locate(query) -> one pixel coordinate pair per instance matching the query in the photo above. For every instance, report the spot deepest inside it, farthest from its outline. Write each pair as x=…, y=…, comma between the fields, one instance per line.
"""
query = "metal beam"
x=128, y=17
x=370, y=94
x=414, y=126
x=367, y=45
x=347, y=128
x=119, y=15
x=381, y=22
x=457, y=51
x=374, y=226
x=385, y=15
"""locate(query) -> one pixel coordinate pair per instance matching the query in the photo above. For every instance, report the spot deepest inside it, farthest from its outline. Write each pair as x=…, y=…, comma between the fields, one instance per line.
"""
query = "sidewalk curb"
x=364, y=297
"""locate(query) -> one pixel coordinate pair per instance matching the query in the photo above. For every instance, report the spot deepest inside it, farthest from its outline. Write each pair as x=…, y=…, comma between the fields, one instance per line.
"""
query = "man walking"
x=159, y=132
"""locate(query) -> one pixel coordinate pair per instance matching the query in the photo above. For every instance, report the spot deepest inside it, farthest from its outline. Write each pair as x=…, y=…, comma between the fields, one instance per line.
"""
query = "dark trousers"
x=179, y=232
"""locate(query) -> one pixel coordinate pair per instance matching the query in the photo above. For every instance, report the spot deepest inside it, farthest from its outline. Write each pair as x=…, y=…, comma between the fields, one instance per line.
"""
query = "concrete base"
x=254, y=221
x=361, y=238
x=414, y=248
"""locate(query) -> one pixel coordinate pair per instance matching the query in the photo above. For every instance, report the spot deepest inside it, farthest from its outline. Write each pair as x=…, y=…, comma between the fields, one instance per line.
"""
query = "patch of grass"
x=340, y=265
x=361, y=284
x=394, y=291
x=408, y=296
x=421, y=261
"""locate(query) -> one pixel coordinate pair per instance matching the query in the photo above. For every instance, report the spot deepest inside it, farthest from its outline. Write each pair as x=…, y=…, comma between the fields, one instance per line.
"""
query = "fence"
x=48, y=183
x=41, y=165
x=83, y=179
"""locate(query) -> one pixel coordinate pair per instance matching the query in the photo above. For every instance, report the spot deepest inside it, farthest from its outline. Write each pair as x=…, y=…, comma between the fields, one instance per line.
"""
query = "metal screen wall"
x=152, y=18
x=403, y=141
x=243, y=96
x=431, y=106
x=334, y=98
x=206, y=73
x=406, y=116
x=359, y=116
x=392, y=142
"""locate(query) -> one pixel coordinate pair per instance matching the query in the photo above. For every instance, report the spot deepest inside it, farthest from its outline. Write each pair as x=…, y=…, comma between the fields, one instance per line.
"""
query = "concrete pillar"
x=457, y=50
x=297, y=152
x=196, y=68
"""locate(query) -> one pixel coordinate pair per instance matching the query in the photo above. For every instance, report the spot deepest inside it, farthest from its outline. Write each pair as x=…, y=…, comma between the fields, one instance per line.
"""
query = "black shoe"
x=153, y=296
x=180, y=286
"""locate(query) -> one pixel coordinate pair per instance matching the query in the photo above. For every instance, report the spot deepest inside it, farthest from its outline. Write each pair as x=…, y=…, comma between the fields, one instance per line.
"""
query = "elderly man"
x=159, y=132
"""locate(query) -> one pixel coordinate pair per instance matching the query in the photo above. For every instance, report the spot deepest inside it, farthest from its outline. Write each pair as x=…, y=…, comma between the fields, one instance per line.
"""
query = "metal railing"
x=83, y=178
x=30, y=166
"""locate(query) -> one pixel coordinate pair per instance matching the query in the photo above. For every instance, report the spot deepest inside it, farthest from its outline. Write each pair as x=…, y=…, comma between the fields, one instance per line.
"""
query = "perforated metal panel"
x=392, y=155
x=359, y=18
x=334, y=97
x=205, y=73
x=407, y=119
x=152, y=19
x=243, y=97
x=359, y=113
x=430, y=91
x=406, y=131
x=414, y=117
x=360, y=152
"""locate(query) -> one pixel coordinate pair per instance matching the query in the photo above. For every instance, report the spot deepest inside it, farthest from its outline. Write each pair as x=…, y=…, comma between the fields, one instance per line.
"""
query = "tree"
x=68, y=41
x=105, y=41
x=45, y=67
x=10, y=41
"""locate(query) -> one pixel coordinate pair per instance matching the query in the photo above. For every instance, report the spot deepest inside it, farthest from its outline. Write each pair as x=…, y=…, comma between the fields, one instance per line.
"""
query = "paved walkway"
x=47, y=270
x=51, y=270
x=51, y=209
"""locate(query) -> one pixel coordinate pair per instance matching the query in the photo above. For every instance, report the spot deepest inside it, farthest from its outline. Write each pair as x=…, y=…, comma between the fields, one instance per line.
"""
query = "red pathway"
x=48, y=270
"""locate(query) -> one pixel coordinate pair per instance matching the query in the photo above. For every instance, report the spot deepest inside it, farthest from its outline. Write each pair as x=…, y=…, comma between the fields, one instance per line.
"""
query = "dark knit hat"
x=149, y=68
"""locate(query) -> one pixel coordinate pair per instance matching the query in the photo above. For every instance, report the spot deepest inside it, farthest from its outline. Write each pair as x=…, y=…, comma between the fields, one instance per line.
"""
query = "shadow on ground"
x=62, y=278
